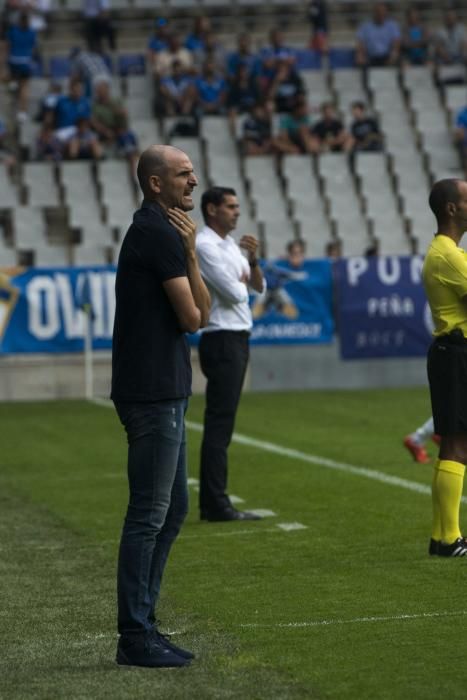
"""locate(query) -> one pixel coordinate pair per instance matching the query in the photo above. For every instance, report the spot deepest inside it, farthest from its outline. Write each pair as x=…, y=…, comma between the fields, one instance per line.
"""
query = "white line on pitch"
x=316, y=459
x=357, y=620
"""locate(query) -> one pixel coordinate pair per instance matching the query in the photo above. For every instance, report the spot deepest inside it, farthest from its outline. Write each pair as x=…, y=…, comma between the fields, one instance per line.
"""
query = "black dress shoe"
x=148, y=650
x=228, y=514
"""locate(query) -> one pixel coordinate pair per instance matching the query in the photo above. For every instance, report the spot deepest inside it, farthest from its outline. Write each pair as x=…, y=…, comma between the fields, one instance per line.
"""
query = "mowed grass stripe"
x=318, y=460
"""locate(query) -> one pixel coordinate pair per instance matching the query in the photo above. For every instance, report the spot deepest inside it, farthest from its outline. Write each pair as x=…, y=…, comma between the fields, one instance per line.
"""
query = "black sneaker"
x=456, y=549
x=165, y=641
x=227, y=515
x=433, y=549
x=147, y=650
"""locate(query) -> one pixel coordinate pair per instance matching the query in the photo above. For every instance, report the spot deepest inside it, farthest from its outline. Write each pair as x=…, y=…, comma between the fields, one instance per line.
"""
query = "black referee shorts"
x=447, y=376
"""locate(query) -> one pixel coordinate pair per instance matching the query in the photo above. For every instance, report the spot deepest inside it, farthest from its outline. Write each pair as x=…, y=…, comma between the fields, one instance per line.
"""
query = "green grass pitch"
x=350, y=607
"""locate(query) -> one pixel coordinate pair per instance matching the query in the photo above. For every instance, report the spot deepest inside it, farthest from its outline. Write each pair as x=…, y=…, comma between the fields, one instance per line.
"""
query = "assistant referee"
x=445, y=281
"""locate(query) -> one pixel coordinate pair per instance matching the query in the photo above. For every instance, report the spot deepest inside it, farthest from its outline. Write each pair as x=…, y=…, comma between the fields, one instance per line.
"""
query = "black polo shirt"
x=150, y=353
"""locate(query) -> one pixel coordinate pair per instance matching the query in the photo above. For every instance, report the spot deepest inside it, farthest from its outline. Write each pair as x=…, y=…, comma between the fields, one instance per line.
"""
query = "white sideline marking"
x=315, y=459
x=192, y=482
x=356, y=620
x=236, y=499
x=288, y=527
x=262, y=512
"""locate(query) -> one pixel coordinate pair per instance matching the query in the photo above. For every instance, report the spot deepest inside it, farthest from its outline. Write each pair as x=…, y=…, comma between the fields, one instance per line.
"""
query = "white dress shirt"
x=223, y=266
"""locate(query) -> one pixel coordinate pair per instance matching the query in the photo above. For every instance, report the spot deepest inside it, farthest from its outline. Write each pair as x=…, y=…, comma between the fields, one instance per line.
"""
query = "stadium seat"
x=307, y=59
x=28, y=228
x=8, y=192
x=90, y=255
x=131, y=64
x=40, y=184
x=59, y=67
x=341, y=57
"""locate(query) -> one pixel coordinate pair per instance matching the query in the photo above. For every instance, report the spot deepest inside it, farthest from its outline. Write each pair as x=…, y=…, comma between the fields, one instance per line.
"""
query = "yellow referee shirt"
x=445, y=280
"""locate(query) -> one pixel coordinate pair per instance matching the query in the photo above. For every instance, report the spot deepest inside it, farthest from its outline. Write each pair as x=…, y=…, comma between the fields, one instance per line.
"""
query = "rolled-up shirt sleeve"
x=218, y=276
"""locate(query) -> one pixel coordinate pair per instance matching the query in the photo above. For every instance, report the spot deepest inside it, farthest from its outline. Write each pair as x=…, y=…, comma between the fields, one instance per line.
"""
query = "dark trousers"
x=157, y=506
x=223, y=357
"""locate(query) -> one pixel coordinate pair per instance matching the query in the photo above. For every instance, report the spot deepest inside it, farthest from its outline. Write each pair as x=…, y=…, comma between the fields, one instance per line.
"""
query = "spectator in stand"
x=243, y=56
x=69, y=109
x=277, y=48
x=109, y=119
x=177, y=92
x=197, y=39
x=98, y=24
x=84, y=144
x=242, y=93
x=333, y=250
x=257, y=138
x=450, y=42
x=318, y=14
x=50, y=100
x=37, y=11
x=328, y=134
x=415, y=39
x=89, y=67
x=22, y=44
x=378, y=39
x=296, y=250
x=460, y=136
x=365, y=132
x=294, y=129
x=286, y=86
x=212, y=90
x=213, y=51
x=159, y=39
x=48, y=146
x=163, y=61
x=7, y=158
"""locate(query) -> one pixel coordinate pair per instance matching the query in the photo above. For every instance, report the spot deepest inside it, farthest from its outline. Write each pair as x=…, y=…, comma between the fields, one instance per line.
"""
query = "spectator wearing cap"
x=243, y=56
x=365, y=131
x=22, y=44
x=109, y=119
x=257, y=136
x=196, y=40
x=98, y=24
x=285, y=86
x=212, y=90
x=378, y=39
x=177, y=92
x=158, y=41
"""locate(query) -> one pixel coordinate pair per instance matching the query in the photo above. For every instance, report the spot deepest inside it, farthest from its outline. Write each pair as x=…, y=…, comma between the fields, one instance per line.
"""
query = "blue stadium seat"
x=132, y=64
x=307, y=59
x=37, y=68
x=342, y=57
x=60, y=67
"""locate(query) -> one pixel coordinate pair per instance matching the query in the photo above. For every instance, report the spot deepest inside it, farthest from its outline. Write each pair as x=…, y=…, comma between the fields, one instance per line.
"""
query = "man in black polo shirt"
x=159, y=297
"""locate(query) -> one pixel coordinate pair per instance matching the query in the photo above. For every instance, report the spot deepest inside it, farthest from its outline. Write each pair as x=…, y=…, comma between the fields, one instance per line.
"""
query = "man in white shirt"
x=224, y=344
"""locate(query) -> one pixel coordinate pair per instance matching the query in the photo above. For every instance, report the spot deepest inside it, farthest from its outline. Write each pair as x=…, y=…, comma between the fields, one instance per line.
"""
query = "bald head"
x=165, y=174
x=443, y=193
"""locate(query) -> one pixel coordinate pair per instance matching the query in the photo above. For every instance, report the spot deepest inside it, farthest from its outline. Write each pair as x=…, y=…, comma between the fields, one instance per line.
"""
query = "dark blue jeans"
x=158, y=504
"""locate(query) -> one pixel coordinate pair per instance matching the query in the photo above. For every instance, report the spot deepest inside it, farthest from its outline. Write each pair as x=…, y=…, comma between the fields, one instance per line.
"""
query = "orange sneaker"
x=417, y=451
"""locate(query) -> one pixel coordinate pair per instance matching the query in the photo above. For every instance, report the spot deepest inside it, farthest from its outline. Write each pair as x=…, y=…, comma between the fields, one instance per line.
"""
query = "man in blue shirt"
x=211, y=89
x=378, y=39
x=72, y=107
x=22, y=43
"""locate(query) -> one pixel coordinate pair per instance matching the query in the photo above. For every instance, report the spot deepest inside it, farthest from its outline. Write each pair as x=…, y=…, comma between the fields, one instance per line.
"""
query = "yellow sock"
x=436, y=525
x=448, y=489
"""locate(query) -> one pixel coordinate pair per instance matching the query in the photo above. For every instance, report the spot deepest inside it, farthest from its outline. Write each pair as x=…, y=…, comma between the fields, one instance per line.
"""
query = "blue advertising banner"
x=297, y=306
x=41, y=309
x=382, y=308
